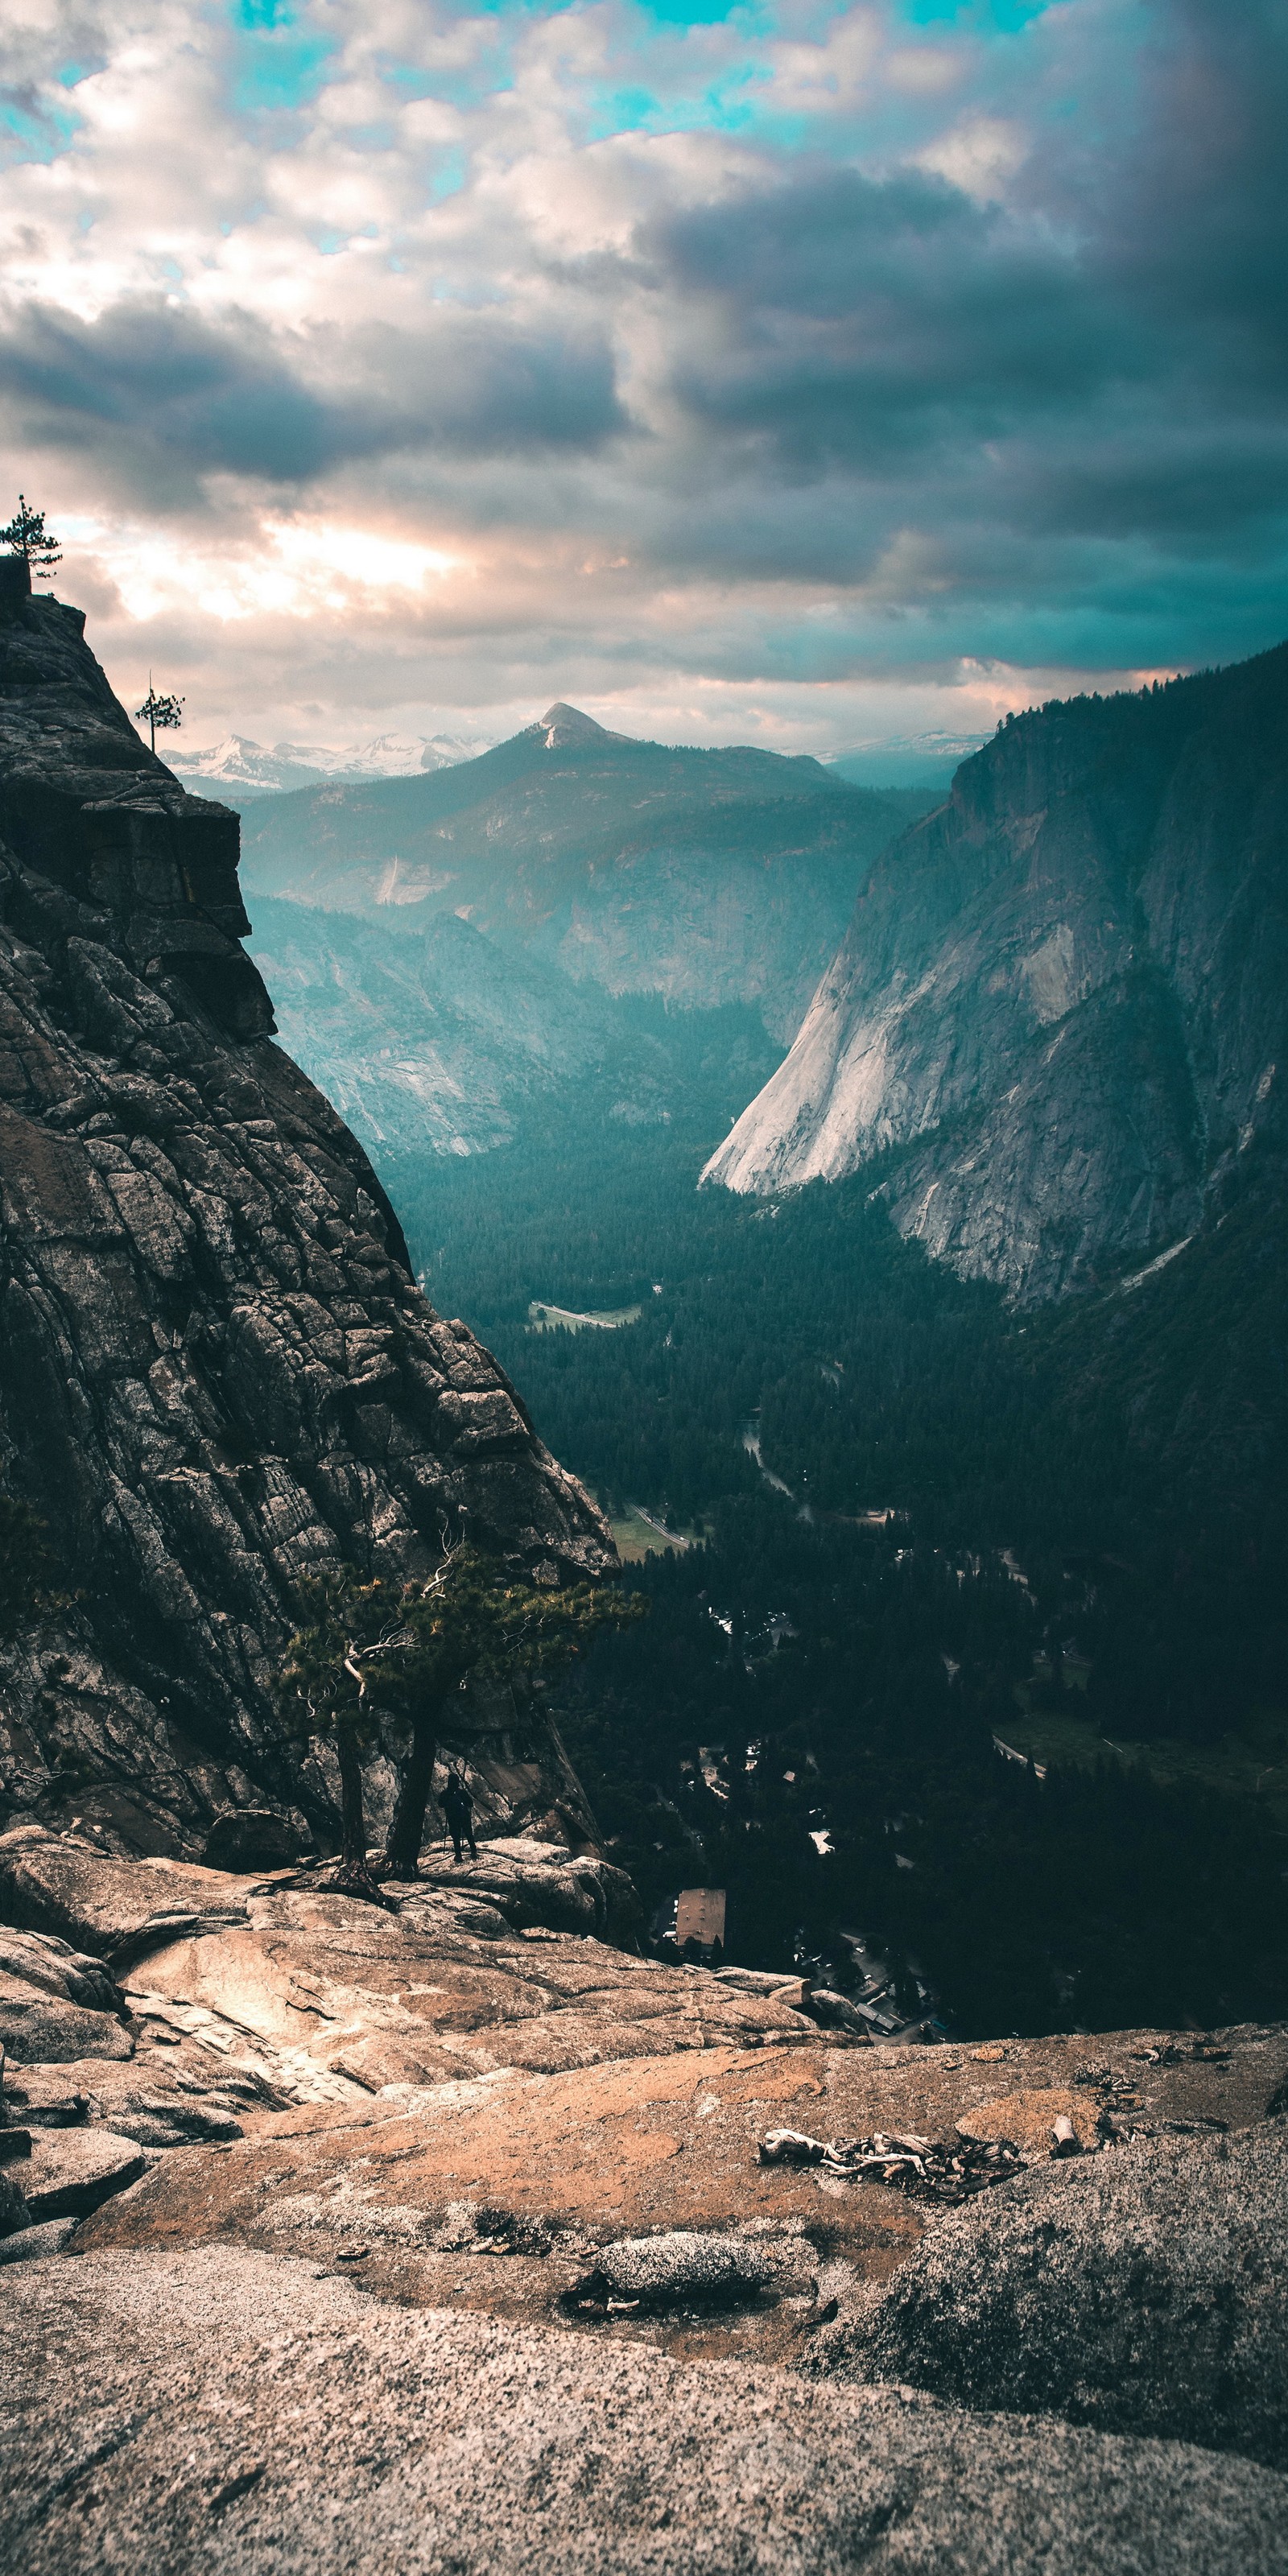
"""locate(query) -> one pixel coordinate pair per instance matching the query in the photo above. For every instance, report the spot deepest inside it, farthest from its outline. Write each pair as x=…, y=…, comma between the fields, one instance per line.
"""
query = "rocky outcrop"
x=1143, y=2291
x=55, y=2002
x=1061, y=1001
x=57, y=1887
x=317, y=1997
x=478, y=2070
x=630, y=2112
x=462, y=2110
x=216, y=1371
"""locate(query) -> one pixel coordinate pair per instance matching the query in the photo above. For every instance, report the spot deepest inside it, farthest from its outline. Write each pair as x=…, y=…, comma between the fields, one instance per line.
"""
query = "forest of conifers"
x=1088, y=1527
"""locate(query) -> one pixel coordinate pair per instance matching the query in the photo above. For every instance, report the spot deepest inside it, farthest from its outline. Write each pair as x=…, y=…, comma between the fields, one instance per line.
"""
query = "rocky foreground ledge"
x=458, y=2237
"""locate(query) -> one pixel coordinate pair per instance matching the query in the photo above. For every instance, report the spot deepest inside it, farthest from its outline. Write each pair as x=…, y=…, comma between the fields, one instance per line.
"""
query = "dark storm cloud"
x=1107, y=355
x=1189, y=220
x=856, y=320
x=161, y=383
x=168, y=381
x=478, y=384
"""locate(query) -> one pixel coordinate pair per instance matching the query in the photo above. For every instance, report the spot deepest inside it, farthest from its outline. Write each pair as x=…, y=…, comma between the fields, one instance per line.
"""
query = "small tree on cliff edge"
x=26, y=536
x=369, y=1648
x=162, y=714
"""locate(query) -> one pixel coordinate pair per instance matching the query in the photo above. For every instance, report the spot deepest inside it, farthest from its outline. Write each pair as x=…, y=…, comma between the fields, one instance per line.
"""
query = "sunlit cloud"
x=300, y=569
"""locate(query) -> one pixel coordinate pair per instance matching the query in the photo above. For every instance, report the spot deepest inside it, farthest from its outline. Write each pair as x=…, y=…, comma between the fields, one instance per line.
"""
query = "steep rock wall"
x=1067, y=990
x=216, y=1371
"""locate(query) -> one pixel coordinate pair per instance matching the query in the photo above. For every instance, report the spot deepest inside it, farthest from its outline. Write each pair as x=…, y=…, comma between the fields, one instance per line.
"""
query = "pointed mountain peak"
x=563, y=724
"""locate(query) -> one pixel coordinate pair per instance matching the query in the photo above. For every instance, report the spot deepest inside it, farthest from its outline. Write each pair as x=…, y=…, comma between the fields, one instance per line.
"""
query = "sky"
x=788, y=373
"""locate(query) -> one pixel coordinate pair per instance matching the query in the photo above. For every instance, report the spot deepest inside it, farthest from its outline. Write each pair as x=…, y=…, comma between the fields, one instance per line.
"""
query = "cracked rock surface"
x=216, y=1370
x=370, y=2186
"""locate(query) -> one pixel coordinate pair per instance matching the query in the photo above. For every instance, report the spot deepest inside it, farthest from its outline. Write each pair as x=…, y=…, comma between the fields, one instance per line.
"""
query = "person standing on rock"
x=458, y=1807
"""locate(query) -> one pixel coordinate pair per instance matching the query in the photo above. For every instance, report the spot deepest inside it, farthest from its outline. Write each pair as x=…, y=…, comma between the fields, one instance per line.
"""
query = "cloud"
x=151, y=380
x=1189, y=217
x=847, y=318
x=1053, y=339
x=796, y=351
x=160, y=379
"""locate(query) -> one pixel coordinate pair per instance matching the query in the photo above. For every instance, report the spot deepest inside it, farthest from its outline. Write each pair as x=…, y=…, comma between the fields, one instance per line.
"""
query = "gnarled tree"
x=468, y=1623
x=161, y=713
x=368, y=1648
x=351, y=1633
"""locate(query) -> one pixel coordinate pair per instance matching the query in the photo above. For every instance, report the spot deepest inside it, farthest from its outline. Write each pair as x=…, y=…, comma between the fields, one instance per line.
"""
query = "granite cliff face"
x=216, y=1371
x=435, y=1040
x=432, y=1041
x=1064, y=996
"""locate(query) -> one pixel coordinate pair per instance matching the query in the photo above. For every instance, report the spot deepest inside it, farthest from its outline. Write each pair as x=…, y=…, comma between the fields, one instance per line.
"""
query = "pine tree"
x=365, y=1648
x=351, y=1628
x=26, y=536
x=467, y=1623
x=163, y=713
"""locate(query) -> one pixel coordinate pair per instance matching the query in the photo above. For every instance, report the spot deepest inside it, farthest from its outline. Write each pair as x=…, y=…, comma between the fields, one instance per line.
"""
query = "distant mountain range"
x=249, y=771
x=709, y=877
x=922, y=760
x=1061, y=1006
x=912, y=759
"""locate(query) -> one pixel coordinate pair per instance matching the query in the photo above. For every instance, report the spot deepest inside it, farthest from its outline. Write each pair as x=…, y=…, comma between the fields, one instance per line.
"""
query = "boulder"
x=61, y=1884
x=41, y=1959
x=56, y=2003
x=52, y=2237
x=73, y=2171
x=835, y=2012
x=253, y=1838
x=790, y=1989
x=656, y=2271
x=544, y=1886
x=1143, y=2290
x=51, y=2096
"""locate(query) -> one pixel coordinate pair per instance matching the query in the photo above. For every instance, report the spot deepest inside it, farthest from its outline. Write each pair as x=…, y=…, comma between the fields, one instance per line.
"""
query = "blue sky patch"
x=277, y=63
x=1001, y=17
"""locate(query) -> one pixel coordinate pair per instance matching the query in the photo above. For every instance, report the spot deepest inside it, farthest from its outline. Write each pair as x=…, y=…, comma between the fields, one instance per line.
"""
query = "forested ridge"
x=1087, y=1519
